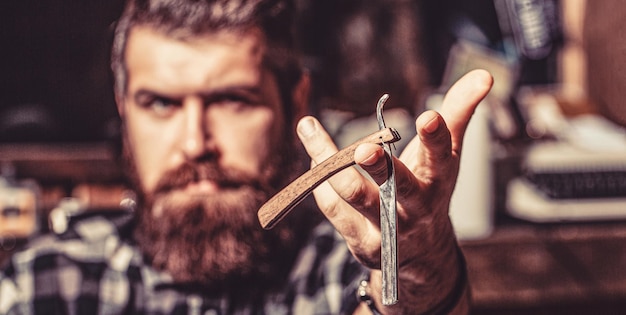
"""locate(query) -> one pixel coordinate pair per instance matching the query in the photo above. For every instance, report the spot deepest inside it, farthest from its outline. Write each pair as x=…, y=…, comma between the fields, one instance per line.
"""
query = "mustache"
x=194, y=171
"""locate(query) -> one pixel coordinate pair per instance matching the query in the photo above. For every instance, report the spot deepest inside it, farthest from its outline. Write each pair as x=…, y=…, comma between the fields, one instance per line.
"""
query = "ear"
x=300, y=97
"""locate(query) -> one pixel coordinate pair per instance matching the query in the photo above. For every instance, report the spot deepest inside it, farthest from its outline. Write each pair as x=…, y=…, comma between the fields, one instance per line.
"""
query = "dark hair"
x=193, y=18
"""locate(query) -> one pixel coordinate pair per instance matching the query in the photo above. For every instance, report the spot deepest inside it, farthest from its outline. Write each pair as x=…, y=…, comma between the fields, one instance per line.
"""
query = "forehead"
x=213, y=60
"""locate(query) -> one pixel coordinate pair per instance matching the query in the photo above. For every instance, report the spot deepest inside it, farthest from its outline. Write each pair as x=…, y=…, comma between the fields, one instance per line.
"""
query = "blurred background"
x=540, y=205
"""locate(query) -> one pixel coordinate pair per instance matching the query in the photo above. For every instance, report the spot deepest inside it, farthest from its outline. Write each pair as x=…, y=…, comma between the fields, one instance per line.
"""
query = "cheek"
x=148, y=151
x=253, y=141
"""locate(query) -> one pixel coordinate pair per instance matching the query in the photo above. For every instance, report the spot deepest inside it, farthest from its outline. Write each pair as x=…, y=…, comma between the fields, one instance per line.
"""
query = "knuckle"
x=409, y=187
x=363, y=252
x=380, y=170
x=331, y=211
x=355, y=192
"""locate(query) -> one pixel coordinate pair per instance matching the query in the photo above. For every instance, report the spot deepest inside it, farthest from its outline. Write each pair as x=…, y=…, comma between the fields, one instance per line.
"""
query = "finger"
x=457, y=108
x=429, y=153
x=461, y=101
x=372, y=159
x=347, y=186
x=435, y=138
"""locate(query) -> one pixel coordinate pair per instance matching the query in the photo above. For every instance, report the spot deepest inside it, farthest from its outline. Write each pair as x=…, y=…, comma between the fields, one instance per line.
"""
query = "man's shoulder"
x=90, y=237
x=92, y=258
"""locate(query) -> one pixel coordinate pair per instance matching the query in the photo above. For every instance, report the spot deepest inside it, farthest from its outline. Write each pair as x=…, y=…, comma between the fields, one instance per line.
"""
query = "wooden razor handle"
x=284, y=201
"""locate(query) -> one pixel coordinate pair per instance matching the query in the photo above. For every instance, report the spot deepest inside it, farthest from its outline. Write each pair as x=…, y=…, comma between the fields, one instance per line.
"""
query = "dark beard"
x=216, y=242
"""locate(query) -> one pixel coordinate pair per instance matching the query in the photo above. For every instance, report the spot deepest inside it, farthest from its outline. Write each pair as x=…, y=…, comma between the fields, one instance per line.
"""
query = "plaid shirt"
x=92, y=269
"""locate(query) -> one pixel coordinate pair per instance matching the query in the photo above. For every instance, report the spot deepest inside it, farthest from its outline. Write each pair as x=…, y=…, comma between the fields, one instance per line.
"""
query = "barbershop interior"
x=539, y=207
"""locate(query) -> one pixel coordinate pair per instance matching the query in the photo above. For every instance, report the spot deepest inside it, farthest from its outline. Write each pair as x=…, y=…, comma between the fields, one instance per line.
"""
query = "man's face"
x=201, y=97
x=207, y=138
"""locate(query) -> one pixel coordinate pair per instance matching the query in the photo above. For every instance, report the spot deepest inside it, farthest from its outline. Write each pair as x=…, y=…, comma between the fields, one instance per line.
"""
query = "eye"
x=162, y=107
x=235, y=103
x=158, y=106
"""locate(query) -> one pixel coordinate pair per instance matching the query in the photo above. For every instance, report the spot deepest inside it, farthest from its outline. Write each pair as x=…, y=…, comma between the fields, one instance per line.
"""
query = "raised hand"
x=426, y=173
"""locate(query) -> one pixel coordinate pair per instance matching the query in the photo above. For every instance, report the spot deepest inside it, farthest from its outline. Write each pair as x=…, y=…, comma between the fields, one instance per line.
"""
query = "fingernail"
x=432, y=125
x=370, y=160
x=306, y=127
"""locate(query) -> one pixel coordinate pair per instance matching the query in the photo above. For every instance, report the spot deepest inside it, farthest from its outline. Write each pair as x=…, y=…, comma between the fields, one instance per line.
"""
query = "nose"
x=194, y=142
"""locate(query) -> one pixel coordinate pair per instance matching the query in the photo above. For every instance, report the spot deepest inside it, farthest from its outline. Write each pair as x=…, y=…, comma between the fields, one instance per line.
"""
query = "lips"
x=202, y=187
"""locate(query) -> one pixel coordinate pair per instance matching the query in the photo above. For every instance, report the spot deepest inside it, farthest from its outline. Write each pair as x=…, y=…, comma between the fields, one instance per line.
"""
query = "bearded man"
x=209, y=92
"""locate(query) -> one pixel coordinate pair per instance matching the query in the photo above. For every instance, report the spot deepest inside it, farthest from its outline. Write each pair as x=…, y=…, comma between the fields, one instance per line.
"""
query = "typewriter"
x=579, y=178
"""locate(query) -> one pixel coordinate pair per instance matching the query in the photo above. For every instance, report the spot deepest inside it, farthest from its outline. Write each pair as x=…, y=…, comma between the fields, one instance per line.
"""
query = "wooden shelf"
x=62, y=162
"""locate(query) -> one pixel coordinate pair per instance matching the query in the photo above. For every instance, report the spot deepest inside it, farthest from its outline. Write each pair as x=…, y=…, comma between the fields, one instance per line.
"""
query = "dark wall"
x=54, y=61
x=56, y=82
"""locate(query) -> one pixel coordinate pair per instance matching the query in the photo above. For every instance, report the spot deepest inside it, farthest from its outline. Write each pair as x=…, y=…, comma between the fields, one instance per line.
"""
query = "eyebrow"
x=248, y=90
x=142, y=94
